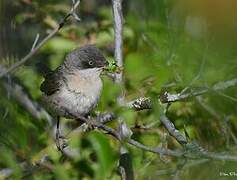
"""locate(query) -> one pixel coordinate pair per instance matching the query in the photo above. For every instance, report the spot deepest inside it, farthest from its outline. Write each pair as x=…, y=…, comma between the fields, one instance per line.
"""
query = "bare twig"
x=118, y=32
x=35, y=41
x=170, y=126
x=36, y=48
x=218, y=156
x=196, y=153
x=146, y=102
x=126, y=171
x=157, y=150
x=220, y=86
x=172, y=130
x=116, y=135
x=193, y=148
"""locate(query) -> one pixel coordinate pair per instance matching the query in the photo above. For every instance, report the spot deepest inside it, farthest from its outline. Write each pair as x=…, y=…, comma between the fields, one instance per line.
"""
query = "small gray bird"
x=74, y=88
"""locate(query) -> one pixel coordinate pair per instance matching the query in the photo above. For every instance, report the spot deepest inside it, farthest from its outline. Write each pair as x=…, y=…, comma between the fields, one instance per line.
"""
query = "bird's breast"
x=85, y=82
x=79, y=95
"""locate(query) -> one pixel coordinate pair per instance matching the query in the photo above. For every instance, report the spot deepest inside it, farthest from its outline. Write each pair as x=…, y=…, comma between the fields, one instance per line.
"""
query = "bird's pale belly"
x=68, y=103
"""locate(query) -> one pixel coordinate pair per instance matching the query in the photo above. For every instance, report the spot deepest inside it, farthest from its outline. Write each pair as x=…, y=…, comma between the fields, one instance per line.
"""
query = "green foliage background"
x=159, y=52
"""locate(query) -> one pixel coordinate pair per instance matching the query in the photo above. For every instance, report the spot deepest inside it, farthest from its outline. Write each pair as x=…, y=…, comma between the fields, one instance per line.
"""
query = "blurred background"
x=168, y=45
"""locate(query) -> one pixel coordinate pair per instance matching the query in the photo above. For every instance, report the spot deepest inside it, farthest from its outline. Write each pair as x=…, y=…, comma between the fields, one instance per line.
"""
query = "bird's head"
x=86, y=57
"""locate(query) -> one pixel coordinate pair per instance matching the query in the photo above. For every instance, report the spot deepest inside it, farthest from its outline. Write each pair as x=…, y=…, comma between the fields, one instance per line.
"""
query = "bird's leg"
x=86, y=121
x=58, y=134
x=60, y=142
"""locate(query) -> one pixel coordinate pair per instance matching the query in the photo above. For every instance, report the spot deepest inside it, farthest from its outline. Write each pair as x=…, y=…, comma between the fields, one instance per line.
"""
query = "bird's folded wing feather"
x=52, y=83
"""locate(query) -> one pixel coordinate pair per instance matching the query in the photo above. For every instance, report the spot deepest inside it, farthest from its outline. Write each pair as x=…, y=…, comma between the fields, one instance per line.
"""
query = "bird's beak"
x=105, y=65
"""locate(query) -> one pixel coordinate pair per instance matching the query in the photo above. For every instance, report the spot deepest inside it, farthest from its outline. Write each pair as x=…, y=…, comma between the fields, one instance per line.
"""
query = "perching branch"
x=194, y=153
x=35, y=47
x=43, y=163
x=132, y=142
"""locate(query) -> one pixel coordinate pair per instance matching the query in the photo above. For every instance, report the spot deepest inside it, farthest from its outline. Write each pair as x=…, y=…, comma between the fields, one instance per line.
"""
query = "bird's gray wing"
x=52, y=83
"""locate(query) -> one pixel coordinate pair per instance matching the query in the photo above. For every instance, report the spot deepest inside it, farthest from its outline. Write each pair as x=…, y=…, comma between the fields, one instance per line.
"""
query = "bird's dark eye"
x=91, y=63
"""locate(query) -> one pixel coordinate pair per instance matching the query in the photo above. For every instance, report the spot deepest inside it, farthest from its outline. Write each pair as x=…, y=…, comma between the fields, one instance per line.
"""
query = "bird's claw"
x=60, y=141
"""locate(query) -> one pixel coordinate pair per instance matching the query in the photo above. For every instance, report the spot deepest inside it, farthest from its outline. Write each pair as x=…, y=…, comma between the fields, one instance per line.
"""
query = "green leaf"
x=59, y=44
x=61, y=173
x=104, y=153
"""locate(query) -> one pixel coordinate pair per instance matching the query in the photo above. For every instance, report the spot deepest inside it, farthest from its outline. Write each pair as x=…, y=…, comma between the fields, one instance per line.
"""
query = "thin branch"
x=192, y=147
x=156, y=150
x=35, y=41
x=195, y=153
x=220, y=86
x=116, y=135
x=43, y=163
x=146, y=102
x=172, y=130
x=46, y=39
x=227, y=96
x=118, y=35
x=219, y=156
x=125, y=171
